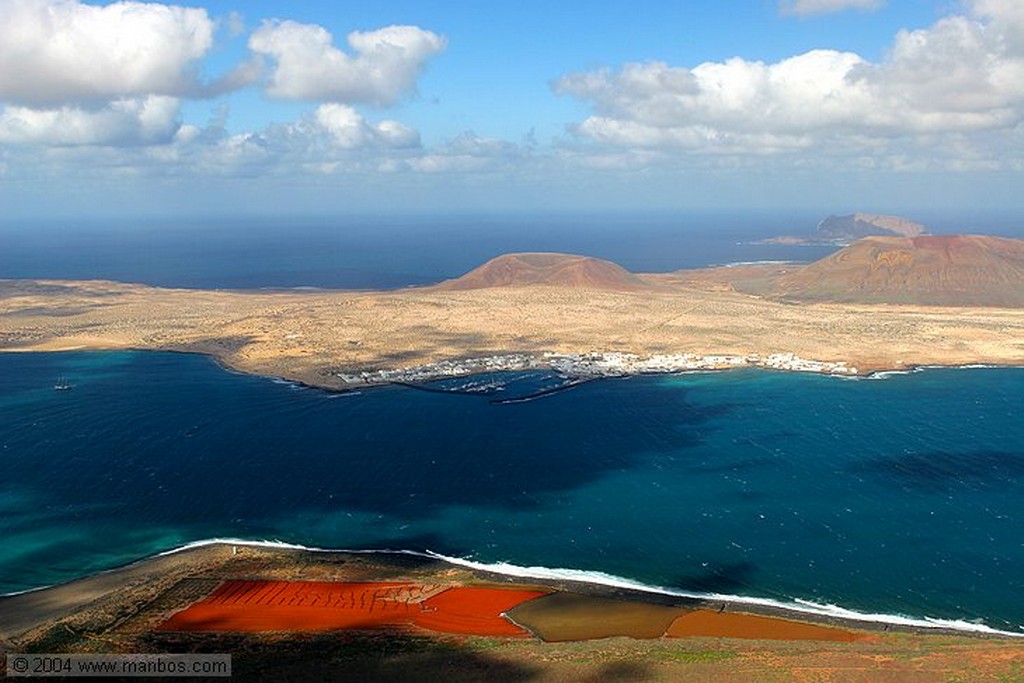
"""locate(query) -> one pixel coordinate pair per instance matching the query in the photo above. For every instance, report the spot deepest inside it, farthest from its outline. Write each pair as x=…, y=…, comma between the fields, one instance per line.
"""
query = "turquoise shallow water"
x=898, y=496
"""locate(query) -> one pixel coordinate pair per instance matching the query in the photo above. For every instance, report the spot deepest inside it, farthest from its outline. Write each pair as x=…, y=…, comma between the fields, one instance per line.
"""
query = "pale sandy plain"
x=311, y=336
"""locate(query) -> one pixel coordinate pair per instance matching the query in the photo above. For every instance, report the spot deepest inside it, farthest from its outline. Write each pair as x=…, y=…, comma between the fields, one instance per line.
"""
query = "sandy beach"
x=422, y=616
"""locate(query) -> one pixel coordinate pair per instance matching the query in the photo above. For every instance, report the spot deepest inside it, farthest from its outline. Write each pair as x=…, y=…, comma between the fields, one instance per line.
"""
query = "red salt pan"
x=253, y=606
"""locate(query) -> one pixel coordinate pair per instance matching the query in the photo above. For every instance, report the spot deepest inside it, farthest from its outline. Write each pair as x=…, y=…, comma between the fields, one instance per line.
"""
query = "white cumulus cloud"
x=468, y=152
x=385, y=65
x=54, y=52
x=132, y=121
x=332, y=138
x=809, y=7
x=962, y=76
x=349, y=130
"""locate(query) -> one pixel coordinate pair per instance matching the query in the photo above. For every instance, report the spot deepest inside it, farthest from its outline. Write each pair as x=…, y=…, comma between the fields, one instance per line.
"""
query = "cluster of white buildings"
x=611, y=364
x=617, y=364
x=788, y=361
x=444, y=368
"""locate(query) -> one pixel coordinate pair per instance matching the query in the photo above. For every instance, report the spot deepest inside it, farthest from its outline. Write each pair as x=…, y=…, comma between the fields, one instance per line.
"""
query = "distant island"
x=843, y=230
x=882, y=303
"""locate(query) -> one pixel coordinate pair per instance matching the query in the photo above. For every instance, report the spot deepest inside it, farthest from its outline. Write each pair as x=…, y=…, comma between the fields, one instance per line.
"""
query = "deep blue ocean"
x=372, y=252
x=378, y=252
x=900, y=496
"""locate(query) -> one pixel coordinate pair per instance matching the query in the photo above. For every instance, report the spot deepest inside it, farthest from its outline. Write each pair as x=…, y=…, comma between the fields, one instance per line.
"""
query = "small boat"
x=62, y=384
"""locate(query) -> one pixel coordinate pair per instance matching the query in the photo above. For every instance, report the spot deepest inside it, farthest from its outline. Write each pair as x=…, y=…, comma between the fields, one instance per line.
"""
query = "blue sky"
x=494, y=78
x=227, y=107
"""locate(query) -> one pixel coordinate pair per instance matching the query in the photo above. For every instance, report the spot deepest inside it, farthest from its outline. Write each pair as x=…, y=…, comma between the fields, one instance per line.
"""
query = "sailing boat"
x=62, y=384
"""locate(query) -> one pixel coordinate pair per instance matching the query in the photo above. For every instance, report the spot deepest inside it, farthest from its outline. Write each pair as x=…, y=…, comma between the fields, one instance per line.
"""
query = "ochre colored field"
x=561, y=617
x=704, y=623
x=253, y=606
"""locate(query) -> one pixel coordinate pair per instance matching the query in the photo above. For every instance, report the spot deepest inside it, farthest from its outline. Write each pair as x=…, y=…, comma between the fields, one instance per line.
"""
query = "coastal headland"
x=576, y=315
x=287, y=612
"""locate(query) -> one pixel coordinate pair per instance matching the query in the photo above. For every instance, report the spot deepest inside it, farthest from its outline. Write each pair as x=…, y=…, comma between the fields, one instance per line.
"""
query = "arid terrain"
x=591, y=307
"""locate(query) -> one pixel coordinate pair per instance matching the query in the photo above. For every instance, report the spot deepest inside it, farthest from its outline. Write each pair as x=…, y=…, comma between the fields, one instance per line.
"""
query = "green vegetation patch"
x=695, y=656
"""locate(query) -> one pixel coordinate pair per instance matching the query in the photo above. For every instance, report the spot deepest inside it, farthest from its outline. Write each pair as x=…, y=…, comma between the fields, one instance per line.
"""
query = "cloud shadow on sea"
x=941, y=470
x=728, y=578
x=248, y=451
x=432, y=451
x=732, y=467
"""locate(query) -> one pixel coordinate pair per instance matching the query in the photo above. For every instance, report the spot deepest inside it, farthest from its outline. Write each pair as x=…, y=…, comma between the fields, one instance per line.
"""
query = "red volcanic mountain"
x=945, y=270
x=563, y=270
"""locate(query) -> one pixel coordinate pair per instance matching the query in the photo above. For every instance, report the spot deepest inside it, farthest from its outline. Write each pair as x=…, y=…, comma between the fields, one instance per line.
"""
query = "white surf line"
x=799, y=605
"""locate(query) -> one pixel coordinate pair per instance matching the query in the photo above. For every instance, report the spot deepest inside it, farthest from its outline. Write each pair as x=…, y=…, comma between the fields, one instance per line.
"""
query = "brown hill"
x=947, y=270
x=565, y=270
